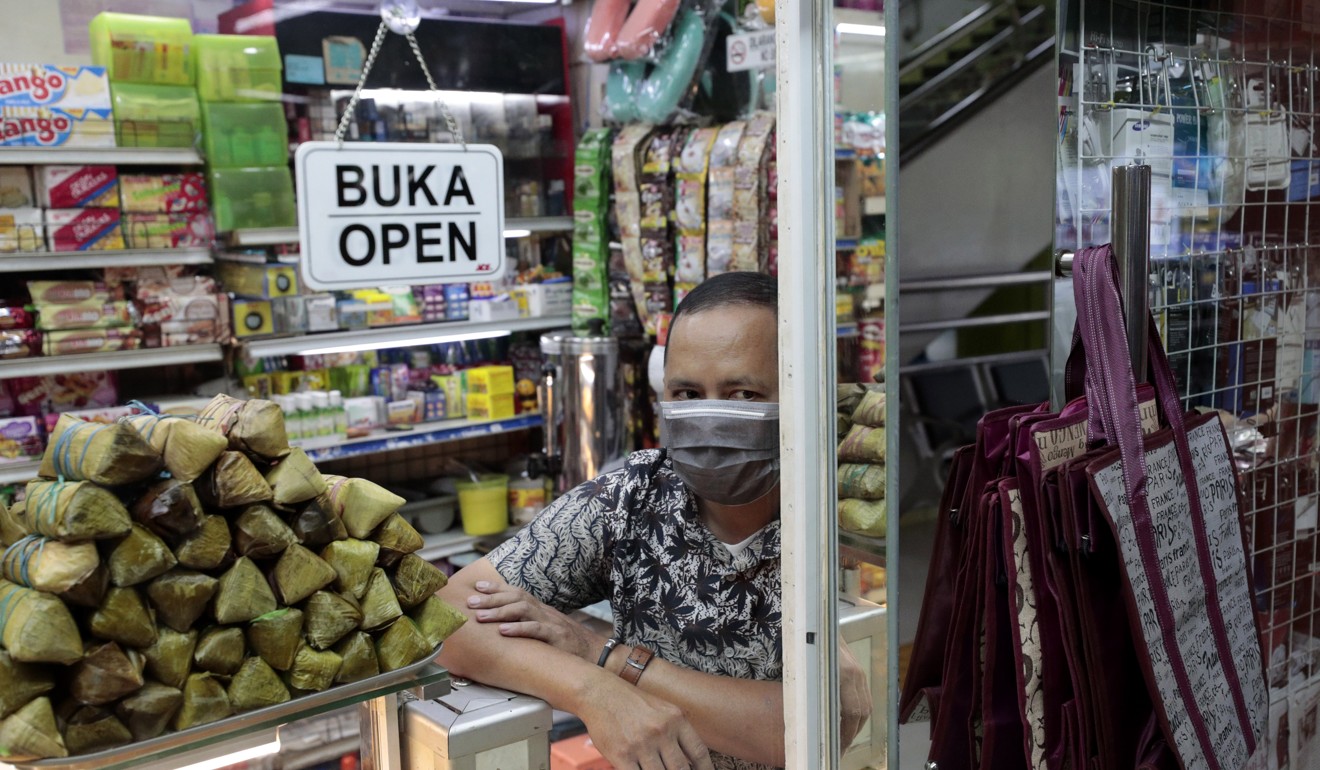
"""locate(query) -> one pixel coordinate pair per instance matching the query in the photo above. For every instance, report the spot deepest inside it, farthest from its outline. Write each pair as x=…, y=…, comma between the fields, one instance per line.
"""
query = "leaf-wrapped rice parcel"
x=243, y=594
x=231, y=482
x=327, y=617
x=220, y=650
x=31, y=732
x=295, y=480
x=205, y=548
x=300, y=573
x=256, y=685
x=123, y=617
x=21, y=682
x=361, y=504
x=204, y=701
x=104, y=675
x=74, y=511
x=380, y=605
x=109, y=454
x=90, y=591
x=436, y=619
x=352, y=560
x=358, y=654
x=49, y=565
x=186, y=447
x=93, y=728
x=313, y=671
x=255, y=426
x=276, y=637
x=180, y=597
x=169, y=660
x=416, y=580
x=401, y=645
x=36, y=627
x=260, y=533
x=169, y=508
x=317, y=527
x=139, y=557
x=149, y=711
x=397, y=538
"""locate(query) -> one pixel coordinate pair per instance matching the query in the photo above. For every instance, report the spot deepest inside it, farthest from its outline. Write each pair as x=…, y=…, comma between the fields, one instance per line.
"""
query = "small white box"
x=22, y=230
x=545, y=299
x=496, y=309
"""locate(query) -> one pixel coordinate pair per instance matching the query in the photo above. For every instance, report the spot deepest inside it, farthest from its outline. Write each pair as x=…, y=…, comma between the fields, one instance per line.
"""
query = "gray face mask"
x=726, y=452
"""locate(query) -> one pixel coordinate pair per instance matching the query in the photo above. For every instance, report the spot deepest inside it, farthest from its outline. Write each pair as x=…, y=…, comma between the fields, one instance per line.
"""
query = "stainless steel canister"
x=588, y=398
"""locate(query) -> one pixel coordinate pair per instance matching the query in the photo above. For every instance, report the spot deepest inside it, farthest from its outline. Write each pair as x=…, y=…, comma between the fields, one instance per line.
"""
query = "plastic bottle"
x=292, y=419
x=337, y=413
x=306, y=414
x=325, y=424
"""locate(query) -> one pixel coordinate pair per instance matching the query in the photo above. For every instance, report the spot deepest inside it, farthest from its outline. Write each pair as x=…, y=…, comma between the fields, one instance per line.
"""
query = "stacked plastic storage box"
x=151, y=78
x=246, y=136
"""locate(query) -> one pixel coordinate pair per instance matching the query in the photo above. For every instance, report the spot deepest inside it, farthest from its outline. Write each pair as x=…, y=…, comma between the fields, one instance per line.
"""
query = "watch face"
x=402, y=16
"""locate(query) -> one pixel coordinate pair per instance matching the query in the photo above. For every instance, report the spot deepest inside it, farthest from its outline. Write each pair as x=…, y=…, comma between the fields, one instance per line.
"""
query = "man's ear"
x=655, y=370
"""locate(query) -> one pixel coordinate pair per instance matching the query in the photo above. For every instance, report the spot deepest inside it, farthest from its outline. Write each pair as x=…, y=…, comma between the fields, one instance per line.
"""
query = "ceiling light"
x=433, y=339
x=517, y=233
x=871, y=30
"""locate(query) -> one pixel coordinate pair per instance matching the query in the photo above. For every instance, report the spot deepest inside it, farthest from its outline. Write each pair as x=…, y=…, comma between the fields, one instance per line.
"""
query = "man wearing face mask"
x=684, y=543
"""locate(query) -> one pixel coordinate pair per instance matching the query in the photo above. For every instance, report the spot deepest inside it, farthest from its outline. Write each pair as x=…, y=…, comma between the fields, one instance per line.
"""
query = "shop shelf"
x=24, y=261
x=263, y=236
x=540, y=224
x=104, y=362
x=17, y=473
x=248, y=730
x=394, y=336
x=453, y=542
x=334, y=448
x=117, y=156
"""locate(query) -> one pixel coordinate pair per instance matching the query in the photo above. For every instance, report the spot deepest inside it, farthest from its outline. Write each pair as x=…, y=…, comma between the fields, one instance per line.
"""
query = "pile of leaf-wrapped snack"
x=166, y=572
x=862, y=448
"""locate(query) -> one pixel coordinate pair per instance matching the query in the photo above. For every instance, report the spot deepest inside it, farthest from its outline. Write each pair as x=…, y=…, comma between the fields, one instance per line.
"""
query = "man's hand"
x=633, y=729
x=854, y=697
x=521, y=614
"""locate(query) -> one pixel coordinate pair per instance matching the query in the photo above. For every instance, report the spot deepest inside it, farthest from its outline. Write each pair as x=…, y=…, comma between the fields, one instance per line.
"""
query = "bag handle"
x=1111, y=389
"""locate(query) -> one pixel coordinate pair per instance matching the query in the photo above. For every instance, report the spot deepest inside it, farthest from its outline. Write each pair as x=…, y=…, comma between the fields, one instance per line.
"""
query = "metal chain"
x=362, y=81
x=454, y=129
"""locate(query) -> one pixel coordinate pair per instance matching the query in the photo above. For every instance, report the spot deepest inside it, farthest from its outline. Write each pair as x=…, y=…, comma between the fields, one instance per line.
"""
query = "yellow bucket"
x=484, y=504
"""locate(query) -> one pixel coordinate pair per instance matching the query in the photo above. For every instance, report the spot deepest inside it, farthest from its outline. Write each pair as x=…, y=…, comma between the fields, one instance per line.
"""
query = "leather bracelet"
x=636, y=665
x=610, y=644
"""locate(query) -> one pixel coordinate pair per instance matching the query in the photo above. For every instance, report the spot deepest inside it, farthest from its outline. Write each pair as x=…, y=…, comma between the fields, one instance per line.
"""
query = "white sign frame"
x=750, y=51
x=446, y=201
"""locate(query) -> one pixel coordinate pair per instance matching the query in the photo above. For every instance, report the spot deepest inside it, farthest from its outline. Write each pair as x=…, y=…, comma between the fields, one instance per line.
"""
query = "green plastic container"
x=155, y=116
x=242, y=135
x=484, y=504
x=237, y=68
x=143, y=49
x=243, y=198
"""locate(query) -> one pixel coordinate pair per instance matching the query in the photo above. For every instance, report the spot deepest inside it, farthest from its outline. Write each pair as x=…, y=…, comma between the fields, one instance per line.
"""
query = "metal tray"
x=248, y=723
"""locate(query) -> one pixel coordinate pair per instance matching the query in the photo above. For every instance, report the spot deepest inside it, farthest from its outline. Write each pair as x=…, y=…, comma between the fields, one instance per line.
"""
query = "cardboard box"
x=544, y=299
x=322, y=313
x=168, y=231
x=22, y=230
x=16, y=191
x=493, y=310
x=490, y=406
x=253, y=317
x=84, y=229
x=52, y=85
x=265, y=281
x=490, y=379
x=21, y=439
x=163, y=193
x=77, y=187
x=41, y=127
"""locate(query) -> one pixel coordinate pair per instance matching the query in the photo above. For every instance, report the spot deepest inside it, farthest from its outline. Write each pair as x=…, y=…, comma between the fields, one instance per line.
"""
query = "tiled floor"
x=916, y=539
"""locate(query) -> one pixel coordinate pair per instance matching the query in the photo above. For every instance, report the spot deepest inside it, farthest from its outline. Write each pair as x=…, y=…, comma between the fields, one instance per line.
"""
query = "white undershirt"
x=736, y=549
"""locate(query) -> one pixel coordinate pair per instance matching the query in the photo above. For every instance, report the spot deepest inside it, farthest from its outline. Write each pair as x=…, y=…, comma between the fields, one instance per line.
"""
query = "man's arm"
x=740, y=717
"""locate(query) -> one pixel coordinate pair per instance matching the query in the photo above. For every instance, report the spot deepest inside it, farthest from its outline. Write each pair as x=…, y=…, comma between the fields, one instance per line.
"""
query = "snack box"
x=20, y=343
x=67, y=292
x=168, y=231
x=489, y=406
x=75, y=187
x=496, y=309
x=43, y=127
x=152, y=284
x=16, y=318
x=62, y=392
x=536, y=300
x=164, y=308
x=22, y=230
x=16, y=191
x=163, y=193
x=90, y=341
x=264, y=281
x=53, y=85
x=21, y=439
x=252, y=317
x=490, y=379
x=86, y=315
x=84, y=229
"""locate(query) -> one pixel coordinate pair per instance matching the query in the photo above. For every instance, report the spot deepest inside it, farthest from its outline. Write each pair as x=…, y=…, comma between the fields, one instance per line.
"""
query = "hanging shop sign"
x=395, y=214
x=750, y=51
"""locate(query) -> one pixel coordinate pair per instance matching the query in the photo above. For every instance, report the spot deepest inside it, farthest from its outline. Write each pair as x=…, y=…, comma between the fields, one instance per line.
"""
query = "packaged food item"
x=456, y=302
x=152, y=283
x=76, y=187
x=53, y=85
x=163, y=193
x=16, y=187
x=322, y=312
x=64, y=392
x=490, y=379
x=90, y=341
x=67, y=292
x=22, y=230
x=85, y=315
x=168, y=319
x=16, y=318
x=20, y=439
x=20, y=343
x=168, y=231
x=104, y=415
x=84, y=229
x=44, y=127
x=690, y=209
x=403, y=304
x=490, y=406
x=260, y=280
x=253, y=317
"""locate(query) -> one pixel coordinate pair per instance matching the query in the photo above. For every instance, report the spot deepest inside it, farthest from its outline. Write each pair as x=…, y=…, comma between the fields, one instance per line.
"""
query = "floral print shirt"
x=634, y=537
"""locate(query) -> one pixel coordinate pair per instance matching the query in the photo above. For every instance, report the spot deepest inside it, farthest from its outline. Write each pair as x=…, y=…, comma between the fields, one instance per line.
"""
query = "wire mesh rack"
x=1220, y=100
